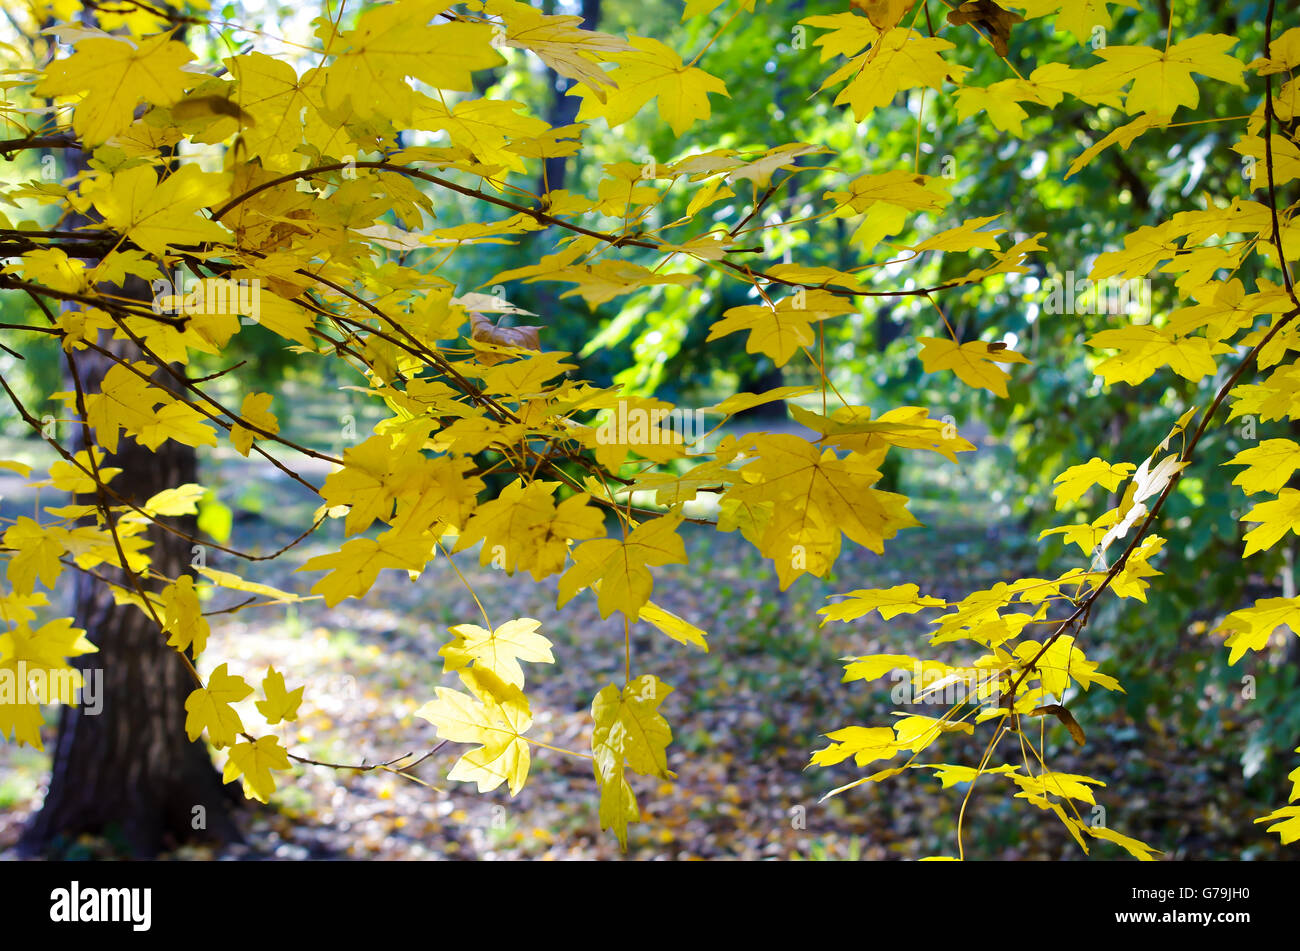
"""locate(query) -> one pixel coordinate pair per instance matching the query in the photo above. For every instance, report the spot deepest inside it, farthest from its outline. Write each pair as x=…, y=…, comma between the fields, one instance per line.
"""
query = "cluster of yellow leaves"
x=495, y=714
x=210, y=708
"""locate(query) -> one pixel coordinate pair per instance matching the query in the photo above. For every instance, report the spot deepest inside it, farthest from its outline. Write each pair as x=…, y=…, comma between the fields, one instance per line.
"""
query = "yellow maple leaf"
x=253, y=763
x=1144, y=349
x=397, y=40
x=1252, y=628
x=524, y=528
x=1077, y=17
x=287, y=109
x=651, y=71
x=1076, y=480
x=495, y=717
x=114, y=73
x=890, y=602
x=158, y=215
x=255, y=409
x=1269, y=466
x=209, y=708
x=780, y=332
x=1276, y=518
x=973, y=362
x=354, y=567
x=559, y=41
x=1162, y=79
x=806, y=497
x=36, y=551
x=280, y=704
x=899, y=60
x=629, y=733
x=499, y=650
x=623, y=567
x=182, y=615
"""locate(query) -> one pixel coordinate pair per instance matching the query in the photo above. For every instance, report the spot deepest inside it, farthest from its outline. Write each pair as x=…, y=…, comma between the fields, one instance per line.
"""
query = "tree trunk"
x=563, y=108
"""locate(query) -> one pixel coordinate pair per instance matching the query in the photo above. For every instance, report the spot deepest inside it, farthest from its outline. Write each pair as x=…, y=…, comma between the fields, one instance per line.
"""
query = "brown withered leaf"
x=1065, y=716
x=485, y=331
x=989, y=17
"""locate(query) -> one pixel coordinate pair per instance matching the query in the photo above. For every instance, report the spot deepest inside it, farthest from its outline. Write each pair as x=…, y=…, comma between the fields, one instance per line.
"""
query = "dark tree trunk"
x=563, y=108
x=129, y=772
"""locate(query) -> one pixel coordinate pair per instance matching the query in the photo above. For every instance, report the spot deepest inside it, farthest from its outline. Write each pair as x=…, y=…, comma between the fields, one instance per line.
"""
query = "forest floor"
x=745, y=715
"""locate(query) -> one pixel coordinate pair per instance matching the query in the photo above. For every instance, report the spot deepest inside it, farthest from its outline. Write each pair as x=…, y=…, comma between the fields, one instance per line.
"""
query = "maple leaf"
x=629, y=733
x=1000, y=102
x=484, y=126
x=46, y=648
x=559, y=41
x=1076, y=480
x=495, y=717
x=907, y=427
x=158, y=215
x=498, y=651
x=256, y=409
x=25, y=652
x=966, y=236
x=1286, y=823
x=183, y=616
x=280, y=704
x=1129, y=582
x=864, y=744
x=908, y=190
x=676, y=627
x=396, y=40
x=890, y=602
x=605, y=280
x=209, y=708
x=899, y=60
x=19, y=720
x=253, y=763
x=114, y=73
x=1077, y=17
x=75, y=477
x=623, y=567
x=524, y=528
x=876, y=666
x=286, y=109
x=37, y=549
x=973, y=362
x=1269, y=466
x=796, y=500
x=1124, y=136
x=1274, y=398
x=814, y=496
x=354, y=567
x=1162, y=80
x=1145, y=349
x=782, y=331
x=1252, y=628
x=651, y=71
x=1277, y=517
